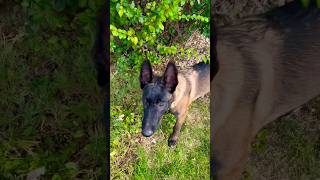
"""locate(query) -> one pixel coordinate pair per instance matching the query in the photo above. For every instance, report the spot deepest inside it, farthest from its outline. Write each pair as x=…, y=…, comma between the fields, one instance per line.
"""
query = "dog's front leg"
x=180, y=114
x=231, y=145
x=176, y=130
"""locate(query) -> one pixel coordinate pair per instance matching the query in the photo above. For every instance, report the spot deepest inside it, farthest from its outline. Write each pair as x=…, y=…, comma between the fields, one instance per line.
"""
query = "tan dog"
x=268, y=66
x=174, y=91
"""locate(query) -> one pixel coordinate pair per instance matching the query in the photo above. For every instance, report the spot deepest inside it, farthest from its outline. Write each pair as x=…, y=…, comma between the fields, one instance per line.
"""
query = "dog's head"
x=157, y=95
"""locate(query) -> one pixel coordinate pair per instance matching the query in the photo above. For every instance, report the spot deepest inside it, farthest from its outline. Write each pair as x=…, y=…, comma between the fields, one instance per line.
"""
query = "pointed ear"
x=145, y=74
x=170, y=77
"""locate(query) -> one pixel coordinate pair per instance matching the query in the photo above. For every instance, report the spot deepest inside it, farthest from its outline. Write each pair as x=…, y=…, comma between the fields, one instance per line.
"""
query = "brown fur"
x=186, y=92
x=265, y=70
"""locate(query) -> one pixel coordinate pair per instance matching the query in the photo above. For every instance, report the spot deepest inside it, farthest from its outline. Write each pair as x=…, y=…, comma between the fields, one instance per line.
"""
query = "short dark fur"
x=268, y=65
x=174, y=90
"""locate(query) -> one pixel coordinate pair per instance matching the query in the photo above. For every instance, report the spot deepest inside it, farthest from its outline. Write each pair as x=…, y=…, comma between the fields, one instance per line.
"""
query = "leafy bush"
x=75, y=19
x=138, y=24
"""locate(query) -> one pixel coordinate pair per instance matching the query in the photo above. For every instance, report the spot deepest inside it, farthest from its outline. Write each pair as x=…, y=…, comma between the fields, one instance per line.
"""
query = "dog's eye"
x=161, y=104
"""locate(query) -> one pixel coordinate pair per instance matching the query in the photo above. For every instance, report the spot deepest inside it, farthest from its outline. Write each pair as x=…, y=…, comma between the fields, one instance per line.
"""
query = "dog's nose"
x=147, y=133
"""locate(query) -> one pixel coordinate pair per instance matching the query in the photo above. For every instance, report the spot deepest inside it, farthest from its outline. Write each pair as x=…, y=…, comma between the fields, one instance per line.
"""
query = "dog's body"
x=174, y=91
x=268, y=65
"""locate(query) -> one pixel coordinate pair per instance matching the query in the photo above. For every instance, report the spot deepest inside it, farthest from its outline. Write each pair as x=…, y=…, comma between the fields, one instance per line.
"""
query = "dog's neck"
x=183, y=88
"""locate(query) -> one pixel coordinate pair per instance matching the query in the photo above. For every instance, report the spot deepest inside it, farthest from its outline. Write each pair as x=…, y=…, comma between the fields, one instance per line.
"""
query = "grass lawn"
x=49, y=105
x=289, y=147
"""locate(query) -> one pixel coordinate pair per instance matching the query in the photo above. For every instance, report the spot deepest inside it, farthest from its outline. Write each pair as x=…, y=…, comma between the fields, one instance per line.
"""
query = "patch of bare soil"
x=201, y=47
x=149, y=142
x=230, y=10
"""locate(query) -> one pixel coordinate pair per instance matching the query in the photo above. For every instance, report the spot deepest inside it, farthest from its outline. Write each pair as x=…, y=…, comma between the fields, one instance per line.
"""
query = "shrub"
x=138, y=24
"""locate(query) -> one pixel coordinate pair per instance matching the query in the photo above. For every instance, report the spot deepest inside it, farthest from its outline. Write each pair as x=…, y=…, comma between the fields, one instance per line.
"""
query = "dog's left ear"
x=170, y=77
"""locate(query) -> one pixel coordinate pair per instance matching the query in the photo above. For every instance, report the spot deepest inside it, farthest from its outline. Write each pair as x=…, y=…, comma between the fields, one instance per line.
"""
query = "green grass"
x=288, y=148
x=49, y=107
x=137, y=157
x=189, y=160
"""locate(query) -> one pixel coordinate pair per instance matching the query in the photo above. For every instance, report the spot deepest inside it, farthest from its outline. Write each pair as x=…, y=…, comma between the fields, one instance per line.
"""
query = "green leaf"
x=131, y=31
x=151, y=28
x=141, y=19
x=160, y=25
x=132, y=4
x=112, y=27
x=120, y=12
x=134, y=40
x=114, y=32
x=122, y=36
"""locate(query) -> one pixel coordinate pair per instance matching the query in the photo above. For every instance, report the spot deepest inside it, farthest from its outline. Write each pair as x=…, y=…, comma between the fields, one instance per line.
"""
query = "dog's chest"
x=182, y=93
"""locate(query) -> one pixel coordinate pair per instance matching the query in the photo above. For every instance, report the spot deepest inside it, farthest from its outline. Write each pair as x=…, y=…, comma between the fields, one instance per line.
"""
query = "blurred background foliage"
x=50, y=100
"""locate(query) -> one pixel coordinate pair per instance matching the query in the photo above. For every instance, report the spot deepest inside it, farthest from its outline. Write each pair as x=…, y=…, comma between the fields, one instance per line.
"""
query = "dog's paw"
x=172, y=142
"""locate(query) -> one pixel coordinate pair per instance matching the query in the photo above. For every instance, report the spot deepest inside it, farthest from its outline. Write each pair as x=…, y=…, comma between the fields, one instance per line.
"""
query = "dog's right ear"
x=145, y=74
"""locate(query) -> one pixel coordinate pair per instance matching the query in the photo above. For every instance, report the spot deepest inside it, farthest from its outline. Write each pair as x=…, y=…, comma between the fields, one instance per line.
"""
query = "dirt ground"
x=230, y=10
x=288, y=148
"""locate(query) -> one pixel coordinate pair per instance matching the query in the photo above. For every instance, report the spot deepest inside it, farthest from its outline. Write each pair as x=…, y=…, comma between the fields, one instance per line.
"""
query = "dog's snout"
x=150, y=121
